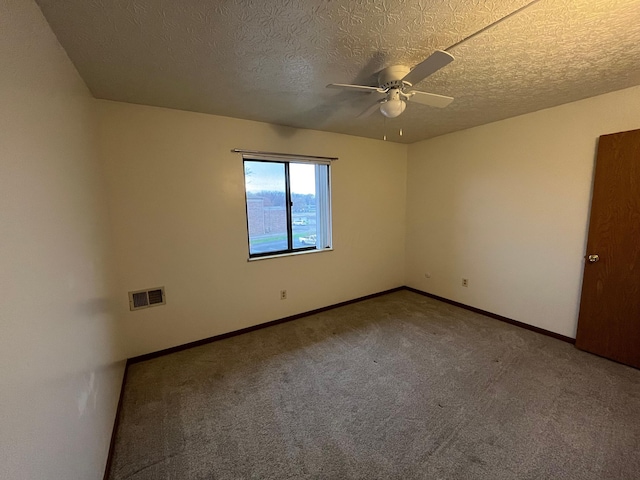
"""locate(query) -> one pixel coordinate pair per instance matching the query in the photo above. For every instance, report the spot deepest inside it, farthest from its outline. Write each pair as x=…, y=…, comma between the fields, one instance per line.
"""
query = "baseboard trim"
x=204, y=341
x=215, y=338
x=494, y=316
x=116, y=423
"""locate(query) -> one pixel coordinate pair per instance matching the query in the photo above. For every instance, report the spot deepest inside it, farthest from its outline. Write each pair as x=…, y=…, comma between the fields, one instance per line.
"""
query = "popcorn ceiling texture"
x=271, y=60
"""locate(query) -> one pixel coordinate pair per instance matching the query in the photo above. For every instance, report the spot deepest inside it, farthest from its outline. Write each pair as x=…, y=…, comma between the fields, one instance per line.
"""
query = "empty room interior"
x=214, y=266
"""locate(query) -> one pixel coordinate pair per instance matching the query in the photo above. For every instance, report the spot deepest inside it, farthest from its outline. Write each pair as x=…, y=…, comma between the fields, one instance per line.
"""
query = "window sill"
x=292, y=254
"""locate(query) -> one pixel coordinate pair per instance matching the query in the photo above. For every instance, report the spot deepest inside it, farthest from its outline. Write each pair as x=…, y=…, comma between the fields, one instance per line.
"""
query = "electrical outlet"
x=283, y=294
x=465, y=282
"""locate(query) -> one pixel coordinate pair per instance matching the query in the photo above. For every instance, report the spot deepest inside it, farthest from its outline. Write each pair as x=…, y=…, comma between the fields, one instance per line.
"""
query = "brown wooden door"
x=609, y=322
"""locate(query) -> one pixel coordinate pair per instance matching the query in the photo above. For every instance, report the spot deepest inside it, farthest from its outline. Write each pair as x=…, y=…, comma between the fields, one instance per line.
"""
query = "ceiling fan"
x=396, y=83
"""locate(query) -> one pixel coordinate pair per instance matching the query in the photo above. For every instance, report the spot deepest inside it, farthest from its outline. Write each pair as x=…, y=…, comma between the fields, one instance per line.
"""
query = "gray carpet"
x=396, y=387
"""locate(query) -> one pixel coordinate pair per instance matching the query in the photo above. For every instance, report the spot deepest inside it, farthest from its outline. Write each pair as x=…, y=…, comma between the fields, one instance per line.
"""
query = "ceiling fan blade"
x=359, y=88
x=432, y=64
x=371, y=109
x=431, y=99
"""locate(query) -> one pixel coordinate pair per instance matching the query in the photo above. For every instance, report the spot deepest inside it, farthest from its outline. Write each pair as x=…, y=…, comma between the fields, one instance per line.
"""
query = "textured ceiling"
x=270, y=60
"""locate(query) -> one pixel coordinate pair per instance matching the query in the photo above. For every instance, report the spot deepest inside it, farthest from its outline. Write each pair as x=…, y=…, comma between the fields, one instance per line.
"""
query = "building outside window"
x=288, y=205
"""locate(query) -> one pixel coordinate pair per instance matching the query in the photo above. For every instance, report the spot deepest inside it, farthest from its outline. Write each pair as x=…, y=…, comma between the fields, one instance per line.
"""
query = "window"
x=288, y=205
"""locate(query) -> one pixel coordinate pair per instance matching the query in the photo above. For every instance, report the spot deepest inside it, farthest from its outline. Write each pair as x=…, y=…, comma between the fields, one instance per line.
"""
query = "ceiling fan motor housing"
x=397, y=81
x=392, y=76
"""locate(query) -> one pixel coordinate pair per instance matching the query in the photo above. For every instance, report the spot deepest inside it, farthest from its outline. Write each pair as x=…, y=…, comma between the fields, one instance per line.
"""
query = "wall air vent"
x=146, y=298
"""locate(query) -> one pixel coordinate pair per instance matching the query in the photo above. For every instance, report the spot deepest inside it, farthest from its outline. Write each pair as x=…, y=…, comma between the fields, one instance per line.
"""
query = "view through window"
x=288, y=206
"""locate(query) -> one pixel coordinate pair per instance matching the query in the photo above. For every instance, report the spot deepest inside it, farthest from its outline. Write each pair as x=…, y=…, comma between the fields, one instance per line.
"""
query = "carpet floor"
x=396, y=387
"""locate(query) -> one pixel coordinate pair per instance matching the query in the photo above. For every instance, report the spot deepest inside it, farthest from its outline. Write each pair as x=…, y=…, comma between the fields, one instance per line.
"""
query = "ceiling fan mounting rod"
x=392, y=76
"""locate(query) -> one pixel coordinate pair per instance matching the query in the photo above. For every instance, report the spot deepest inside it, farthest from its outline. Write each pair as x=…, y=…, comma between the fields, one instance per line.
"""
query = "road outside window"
x=288, y=206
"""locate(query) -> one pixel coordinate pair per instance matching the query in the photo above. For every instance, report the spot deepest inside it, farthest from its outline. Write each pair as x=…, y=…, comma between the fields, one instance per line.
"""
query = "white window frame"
x=324, y=240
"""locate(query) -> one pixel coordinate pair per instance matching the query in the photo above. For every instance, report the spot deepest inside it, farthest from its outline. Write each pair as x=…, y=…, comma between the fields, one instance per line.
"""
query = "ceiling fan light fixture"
x=393, y=108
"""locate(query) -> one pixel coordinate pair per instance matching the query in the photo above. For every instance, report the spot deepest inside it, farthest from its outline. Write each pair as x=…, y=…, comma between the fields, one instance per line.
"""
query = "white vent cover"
x=146, y=298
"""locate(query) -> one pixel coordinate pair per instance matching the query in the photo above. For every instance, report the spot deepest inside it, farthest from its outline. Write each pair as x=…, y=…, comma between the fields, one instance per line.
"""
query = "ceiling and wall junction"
x=271, y=61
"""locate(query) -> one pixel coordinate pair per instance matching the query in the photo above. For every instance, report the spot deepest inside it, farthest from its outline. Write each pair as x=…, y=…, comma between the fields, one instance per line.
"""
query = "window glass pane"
x=266, y=206
x=304, y=209
x=281, y=224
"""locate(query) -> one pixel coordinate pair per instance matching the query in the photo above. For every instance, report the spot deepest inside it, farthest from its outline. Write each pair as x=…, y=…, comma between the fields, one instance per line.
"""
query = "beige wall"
x=58, y=381
x=506, y=206
x=178, y=215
